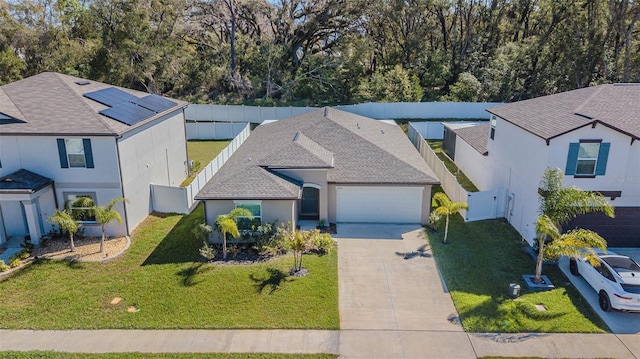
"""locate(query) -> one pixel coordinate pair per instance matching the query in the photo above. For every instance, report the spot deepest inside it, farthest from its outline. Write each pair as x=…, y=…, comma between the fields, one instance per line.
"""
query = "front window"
x=81, y=206
x=587, y=158
x=244, y=223
x=75, y=152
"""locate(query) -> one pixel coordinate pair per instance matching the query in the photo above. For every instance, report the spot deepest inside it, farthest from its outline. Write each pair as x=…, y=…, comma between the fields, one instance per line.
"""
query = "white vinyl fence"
x=214, y=130
x=482, y=205
x=168, y=199
x=389, y=110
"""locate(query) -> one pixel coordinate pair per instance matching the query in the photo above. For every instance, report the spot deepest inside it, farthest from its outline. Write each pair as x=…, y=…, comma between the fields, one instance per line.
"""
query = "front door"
x=310, y=203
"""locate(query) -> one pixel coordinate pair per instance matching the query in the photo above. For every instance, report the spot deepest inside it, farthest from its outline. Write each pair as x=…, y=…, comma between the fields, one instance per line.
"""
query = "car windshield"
x=622, y=264
x=631, y=288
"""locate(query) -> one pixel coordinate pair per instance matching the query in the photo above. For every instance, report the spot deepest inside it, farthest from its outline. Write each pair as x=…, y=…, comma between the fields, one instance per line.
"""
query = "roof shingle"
x=53, y=104
x=355, y=149
x=614, y=105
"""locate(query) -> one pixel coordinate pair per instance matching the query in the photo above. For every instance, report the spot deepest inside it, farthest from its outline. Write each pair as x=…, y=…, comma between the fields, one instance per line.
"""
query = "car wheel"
x=603, y=299
x=573, y=266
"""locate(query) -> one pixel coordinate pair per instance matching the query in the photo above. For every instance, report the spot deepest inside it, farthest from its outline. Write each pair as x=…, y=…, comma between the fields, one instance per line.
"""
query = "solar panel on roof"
x=154, y=103
x=128, y=113
x=110, y=96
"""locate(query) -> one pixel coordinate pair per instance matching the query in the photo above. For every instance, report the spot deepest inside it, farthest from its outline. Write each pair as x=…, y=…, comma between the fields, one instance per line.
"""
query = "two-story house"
x=591, y=134
x=63, y=137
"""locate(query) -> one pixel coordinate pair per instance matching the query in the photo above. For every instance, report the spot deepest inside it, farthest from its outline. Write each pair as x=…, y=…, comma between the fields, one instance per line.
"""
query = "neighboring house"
x=62, y=137
x=591, y=134
x=323, y=165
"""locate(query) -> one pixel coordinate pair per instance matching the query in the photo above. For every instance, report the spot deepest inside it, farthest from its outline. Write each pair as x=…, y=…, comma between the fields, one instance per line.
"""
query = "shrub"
x=3, y=266
x=23, y=254
x=14, y=262
x=269, y=238
x=207, y=251
x=322, y=242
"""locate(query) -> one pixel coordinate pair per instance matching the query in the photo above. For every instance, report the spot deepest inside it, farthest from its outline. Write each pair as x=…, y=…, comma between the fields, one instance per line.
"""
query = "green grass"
x=163, y=276
x=464, y=181
x=481, y=260
x=203, y=152
x=60, y=355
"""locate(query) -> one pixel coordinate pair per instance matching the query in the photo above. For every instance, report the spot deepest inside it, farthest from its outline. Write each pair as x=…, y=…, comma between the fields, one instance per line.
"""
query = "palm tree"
x=105, y=215
x=575, y=243
x=66, y=222
x=227, y=224
x=446, y=208
x=560, y=204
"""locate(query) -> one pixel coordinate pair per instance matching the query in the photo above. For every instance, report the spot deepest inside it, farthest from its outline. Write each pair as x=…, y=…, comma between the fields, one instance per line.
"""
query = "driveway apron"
x=393, y=303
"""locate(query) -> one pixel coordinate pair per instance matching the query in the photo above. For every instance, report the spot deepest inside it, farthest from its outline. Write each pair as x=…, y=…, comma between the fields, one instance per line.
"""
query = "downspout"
x=124, y=204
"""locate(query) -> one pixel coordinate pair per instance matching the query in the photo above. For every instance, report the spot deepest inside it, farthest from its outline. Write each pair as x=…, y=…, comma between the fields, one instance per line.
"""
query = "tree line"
x=318, y=52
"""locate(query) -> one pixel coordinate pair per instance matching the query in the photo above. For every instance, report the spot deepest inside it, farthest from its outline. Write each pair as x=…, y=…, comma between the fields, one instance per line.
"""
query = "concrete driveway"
x=618, y=322
x=393, y=303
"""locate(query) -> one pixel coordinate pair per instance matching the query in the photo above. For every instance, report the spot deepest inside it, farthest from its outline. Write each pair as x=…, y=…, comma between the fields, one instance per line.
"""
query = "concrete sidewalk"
x=172, y=341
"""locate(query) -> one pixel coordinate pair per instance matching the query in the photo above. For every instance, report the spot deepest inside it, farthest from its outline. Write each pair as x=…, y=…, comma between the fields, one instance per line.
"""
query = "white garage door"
x=379, y=204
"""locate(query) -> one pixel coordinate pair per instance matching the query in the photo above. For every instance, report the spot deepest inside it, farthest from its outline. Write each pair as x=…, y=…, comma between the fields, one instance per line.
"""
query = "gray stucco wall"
x=317, y=177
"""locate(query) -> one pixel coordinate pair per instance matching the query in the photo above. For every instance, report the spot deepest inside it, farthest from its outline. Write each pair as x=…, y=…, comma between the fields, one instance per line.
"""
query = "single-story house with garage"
x=591, y=134
x=64, y=137
x=323, y=165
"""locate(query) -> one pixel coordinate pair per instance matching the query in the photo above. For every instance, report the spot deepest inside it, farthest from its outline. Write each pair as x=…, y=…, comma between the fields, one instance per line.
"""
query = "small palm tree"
x=575, y=243
x=227, y=224
x=105, y=215
x=560, y=204
x=446, y=208
x=66, y=222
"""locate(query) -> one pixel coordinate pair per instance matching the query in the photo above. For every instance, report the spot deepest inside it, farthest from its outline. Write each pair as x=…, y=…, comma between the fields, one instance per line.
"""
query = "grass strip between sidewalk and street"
x=61, y=355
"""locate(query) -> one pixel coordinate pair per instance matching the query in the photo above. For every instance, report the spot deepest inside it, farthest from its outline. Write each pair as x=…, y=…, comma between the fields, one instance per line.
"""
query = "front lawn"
x=59, y=355
x=479, y=262
x=162, y=276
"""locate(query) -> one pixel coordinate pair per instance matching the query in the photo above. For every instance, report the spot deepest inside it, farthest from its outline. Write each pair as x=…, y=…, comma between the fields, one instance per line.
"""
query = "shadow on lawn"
x=179, y=245
x=273, y=280
x=188, y=274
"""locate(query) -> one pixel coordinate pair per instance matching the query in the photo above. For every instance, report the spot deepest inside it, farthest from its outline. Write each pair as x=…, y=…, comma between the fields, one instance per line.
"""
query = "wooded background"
x=317, y=52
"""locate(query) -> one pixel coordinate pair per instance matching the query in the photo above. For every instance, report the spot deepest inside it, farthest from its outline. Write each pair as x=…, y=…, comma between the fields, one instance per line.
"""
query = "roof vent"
x=295, y=137
x=358, y=125
x=382, y=132
x=83, y=82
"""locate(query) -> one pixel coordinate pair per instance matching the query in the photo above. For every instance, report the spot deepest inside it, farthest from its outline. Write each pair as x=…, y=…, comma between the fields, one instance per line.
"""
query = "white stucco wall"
x=155, y=153
x=517, y=159
x=39, y=154
x=473, y=164
x=623, y=164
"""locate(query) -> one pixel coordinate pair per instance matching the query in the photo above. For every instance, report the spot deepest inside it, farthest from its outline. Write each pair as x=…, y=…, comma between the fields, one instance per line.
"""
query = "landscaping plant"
x=67, y=223
x=558, y=205
x=105, y=215
x=227, y=224
x=445, y=208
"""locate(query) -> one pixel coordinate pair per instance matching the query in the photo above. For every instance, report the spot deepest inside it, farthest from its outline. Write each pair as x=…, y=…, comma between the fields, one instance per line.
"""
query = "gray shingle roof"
x=23, y=181
x=52, y=104
x=363, y=151
x=616, y=106
x=476, y=136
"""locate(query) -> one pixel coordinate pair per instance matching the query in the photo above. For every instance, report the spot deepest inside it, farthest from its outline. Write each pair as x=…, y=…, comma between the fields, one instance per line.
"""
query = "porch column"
x=31, y=212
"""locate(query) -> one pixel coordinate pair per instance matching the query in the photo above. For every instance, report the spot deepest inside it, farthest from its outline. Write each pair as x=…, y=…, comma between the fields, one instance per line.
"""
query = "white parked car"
x=616, y=280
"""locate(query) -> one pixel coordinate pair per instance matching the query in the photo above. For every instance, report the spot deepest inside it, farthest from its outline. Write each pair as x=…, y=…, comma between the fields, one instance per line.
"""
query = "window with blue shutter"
x=588, y=158
x=75, y=153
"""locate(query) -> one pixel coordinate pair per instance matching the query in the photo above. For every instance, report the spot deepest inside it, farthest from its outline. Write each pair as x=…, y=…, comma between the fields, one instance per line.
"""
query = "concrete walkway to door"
x=393, y=303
